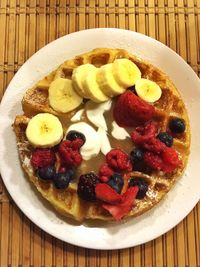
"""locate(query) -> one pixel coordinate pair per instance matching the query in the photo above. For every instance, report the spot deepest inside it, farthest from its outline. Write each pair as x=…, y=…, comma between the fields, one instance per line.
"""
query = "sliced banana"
x=126, y=72
x=44, y=130
x=107, y=82
x=62, y=96
x=148, y=90
x=78, y=76
x=92, y=88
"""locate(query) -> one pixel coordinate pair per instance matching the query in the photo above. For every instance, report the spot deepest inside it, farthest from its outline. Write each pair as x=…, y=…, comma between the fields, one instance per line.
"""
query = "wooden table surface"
x=28, y=25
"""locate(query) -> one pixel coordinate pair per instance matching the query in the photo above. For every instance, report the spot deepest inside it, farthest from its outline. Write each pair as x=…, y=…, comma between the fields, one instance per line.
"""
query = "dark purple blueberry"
x=136, y=155
x=177, y=125
x=143, y=186
x=166, y=138
x=86, y=186
x=61, y=180
x=46, y=173
x=73, y=135
x=116, y=181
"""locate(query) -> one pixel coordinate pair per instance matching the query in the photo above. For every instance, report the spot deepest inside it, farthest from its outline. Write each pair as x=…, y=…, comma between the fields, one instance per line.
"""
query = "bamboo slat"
x=26, y=26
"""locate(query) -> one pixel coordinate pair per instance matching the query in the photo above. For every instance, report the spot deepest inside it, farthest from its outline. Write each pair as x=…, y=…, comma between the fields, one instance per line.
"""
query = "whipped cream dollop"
x=118, y=132
x=95, y=113
x=92, y=146
x=77, y=115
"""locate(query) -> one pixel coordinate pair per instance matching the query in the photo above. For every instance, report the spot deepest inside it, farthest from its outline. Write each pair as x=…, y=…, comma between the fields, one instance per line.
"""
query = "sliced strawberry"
x=105, y=193
x=123, y=208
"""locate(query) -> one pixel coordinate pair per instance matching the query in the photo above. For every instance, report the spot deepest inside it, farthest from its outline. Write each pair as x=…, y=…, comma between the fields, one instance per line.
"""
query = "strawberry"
x=124, y=207
x=130, y=110
x=105, y=193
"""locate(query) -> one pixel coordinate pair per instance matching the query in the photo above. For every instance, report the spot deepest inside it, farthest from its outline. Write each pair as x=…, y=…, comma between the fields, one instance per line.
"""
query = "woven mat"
x=26, y=26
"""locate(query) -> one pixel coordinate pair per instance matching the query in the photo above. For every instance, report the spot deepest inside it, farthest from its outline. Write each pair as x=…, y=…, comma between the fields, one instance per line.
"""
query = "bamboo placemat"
x=26, y=26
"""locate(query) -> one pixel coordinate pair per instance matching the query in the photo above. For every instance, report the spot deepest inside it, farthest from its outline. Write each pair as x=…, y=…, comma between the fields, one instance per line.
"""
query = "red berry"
x=143, y=134
x=105, y=172
x=118, y=160
x=124, y=207
x=170, y=157
x=105, y=193
x=70, y=156
x=77, y=144
x=154, y=145
x=153, y=160
x=42, y=157
x=130, y=110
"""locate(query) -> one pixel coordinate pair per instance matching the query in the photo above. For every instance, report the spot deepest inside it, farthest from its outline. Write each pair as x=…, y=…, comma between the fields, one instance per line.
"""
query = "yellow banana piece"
x=62, y=96
x=44, y=130
x=148, y=90
x=78, y=76
x=92, y=88
x=107, y=82
x=126, y=72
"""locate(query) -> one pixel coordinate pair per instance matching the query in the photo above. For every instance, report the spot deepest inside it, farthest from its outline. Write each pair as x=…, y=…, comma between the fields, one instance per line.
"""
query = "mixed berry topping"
x=61, y=180
x=42, y=157
x=86, y=186
x=46, y=173
x=105, y=172
x=177, y=125
x=118, y=160
x=107, y=194
x=142, y=185
x=136, y=156
x=130, y=110
x=116, y=181
x=73, y=135
x=166, y=138
x=124, y=207
x=69, y=152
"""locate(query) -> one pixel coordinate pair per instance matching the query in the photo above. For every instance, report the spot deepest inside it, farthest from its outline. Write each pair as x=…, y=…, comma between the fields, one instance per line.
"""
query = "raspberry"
x=70, y=156
x=170, y=158
x=154, y=161
x=118, y=160
x=77, y=144
x=130, y=110
x=42, y=157
x=86, y=186
x=105, y=172
x=154, y=145
x=142, y=134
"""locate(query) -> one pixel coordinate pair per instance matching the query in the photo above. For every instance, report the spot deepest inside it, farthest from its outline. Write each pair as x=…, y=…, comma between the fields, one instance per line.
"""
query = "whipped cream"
x=118, y=132
x=95, y=113
x=105, y=144
x=92, y=146
x=77, y=115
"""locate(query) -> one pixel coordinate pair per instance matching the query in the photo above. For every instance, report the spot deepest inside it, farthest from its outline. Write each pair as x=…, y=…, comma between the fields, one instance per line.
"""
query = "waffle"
x=169, y=105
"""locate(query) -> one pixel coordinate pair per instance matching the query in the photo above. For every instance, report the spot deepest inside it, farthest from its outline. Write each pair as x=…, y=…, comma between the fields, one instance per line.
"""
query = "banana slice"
x=92, y=88
x=44, y=130
x=78, y=76
x=126, y=72
x=107, y=82
x=148, y=90
x=62, y=96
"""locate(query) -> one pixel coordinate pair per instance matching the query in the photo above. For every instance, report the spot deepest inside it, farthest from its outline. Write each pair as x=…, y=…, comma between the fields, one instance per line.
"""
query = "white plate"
x=176, y=205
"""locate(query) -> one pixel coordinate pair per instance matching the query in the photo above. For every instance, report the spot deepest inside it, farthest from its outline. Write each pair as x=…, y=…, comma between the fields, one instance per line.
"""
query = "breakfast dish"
x=105, y=136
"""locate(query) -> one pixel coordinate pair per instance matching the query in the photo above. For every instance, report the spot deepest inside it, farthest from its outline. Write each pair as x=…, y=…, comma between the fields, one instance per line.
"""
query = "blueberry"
x=46, y=173
x=166, y=138
x=61, y=180
x=177, y=125
x=71, y=173
x=143, y=186
x=136, y=155
x=116, y=182
x=73, y=135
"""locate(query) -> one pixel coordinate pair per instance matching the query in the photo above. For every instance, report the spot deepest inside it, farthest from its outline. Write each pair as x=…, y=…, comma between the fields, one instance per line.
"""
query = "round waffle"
x=168, y=106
